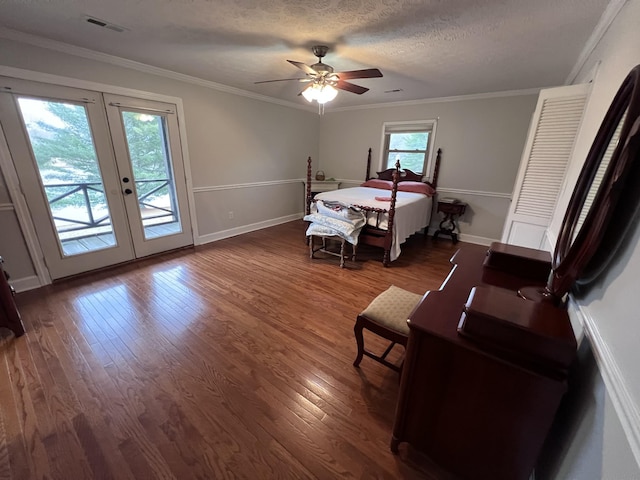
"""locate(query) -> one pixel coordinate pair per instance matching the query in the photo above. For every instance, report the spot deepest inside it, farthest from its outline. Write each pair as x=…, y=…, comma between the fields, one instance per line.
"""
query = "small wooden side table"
x=448, y=225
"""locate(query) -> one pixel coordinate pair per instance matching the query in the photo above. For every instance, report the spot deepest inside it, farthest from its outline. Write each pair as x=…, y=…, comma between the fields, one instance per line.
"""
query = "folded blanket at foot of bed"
x=336, y=219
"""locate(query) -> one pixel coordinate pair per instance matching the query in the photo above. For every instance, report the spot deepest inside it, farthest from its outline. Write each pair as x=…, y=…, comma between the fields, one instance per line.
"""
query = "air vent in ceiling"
x=103, y=24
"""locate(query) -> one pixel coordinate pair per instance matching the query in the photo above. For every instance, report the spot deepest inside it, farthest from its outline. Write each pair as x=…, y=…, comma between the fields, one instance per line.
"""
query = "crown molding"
x=607, y=18
x=455, y=98
x=69, y=49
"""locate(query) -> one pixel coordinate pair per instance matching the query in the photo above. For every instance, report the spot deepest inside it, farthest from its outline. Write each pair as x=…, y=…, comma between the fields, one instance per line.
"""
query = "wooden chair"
x=386, y=316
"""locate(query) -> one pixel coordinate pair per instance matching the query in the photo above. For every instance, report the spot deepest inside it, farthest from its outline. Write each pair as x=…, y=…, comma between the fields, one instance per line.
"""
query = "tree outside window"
x=410, y=149
x=409, y=142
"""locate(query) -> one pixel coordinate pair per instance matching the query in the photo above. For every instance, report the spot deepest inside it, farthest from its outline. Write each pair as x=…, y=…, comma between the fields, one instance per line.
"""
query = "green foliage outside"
x=146, y=143
x=401, y=146
x=64, y=150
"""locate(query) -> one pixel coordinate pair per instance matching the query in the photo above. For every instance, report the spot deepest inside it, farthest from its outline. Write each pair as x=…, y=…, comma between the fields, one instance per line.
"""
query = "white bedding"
x=413, y=210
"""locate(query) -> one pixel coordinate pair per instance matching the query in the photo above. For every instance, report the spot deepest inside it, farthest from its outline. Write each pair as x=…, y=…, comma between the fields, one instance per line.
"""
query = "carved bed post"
x=392, y=212
x=308, y=184
x=308, y=198
x=434, y=184
x=436, y=169
x=368, y=166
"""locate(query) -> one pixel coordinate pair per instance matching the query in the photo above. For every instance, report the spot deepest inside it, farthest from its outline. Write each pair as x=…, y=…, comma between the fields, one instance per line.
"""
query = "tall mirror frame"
x=576, y=255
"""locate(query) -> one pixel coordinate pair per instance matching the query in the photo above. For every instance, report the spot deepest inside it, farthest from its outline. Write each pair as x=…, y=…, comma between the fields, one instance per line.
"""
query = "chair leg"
x=357, y=330
x=386, y=352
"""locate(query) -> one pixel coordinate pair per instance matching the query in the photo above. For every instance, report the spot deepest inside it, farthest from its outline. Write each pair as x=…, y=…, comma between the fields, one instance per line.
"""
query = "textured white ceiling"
x=427, y=48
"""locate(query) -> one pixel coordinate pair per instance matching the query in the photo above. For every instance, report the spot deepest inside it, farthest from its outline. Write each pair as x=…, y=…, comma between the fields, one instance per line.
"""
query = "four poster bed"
x=395, y=205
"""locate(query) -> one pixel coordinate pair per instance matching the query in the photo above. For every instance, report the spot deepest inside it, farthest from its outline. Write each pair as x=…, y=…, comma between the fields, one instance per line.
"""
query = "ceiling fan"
x=323, y=81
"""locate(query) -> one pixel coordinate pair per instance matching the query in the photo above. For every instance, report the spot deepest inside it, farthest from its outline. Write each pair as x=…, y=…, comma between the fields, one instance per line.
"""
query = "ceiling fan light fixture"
x=326, y=94
x=324, y=82
x=309, y=93
x=321, y=93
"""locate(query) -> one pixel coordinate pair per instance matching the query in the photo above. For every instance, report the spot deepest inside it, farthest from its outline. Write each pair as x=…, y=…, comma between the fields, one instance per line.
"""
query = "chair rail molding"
x=213, y=188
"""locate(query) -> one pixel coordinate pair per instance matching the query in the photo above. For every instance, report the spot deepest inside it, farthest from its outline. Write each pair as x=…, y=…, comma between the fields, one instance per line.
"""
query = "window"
x=410, y=142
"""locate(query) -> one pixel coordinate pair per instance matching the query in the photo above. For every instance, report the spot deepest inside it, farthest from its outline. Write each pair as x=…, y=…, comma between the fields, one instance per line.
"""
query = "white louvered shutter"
x=602, y=168
x=545, y=158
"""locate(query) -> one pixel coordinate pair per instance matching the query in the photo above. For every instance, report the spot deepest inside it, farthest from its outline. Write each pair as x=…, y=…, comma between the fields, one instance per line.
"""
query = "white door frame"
x=22, y=212
x=8, y=170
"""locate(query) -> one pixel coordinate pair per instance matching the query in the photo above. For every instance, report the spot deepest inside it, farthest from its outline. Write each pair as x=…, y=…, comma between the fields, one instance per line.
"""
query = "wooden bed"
x=379, y=230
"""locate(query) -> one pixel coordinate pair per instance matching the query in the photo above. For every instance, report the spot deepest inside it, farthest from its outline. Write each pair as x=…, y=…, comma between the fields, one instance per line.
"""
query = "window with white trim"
x=411, y=143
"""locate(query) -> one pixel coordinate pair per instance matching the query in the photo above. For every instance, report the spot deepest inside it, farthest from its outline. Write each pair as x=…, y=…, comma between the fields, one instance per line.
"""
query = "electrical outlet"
x=231, y=215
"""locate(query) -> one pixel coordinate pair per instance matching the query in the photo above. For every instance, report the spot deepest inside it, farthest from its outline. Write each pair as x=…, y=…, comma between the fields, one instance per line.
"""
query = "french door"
x=102, y=175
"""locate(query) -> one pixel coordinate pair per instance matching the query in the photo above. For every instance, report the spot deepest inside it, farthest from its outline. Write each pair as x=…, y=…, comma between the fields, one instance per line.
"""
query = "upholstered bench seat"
x=386, y=316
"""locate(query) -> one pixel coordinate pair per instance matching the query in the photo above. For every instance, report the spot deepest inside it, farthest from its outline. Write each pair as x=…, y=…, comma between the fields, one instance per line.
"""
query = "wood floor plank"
x=170, y=362
x=36, y=453
x=15, y=464
x=231, y=360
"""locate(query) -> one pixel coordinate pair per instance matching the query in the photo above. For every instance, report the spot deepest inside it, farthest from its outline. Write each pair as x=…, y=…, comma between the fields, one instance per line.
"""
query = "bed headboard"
x=407, y=175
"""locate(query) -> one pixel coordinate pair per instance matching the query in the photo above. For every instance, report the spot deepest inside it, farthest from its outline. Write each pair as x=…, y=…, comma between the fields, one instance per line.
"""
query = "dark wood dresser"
x=483, y=376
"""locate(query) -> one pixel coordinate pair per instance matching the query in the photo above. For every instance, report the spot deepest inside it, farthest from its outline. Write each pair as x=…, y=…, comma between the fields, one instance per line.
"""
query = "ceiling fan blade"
x=366, y=73
x=284, y=80
x=304, y=67
x=350, y=87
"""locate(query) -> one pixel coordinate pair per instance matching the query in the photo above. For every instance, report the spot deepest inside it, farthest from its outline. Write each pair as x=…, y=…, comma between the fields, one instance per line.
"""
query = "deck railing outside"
x=91, y=212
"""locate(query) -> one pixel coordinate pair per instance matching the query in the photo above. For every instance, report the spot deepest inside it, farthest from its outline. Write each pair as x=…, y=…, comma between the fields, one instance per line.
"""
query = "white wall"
x=584, y=443
x=243, y=153
x=609, y=310
x=481, y=140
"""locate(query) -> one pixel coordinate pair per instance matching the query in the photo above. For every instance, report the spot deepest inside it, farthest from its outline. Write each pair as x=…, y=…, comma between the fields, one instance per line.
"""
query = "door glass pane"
x=148, y=147
x=65, y=155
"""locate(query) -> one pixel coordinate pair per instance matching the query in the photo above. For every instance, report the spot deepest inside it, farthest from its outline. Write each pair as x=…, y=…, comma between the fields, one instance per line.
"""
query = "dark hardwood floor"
x=231, y=360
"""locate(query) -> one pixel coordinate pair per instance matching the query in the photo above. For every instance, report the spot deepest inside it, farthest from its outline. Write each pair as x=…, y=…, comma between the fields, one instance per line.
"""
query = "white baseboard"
x=26, y=283
x=232, y=232
x=465, y=237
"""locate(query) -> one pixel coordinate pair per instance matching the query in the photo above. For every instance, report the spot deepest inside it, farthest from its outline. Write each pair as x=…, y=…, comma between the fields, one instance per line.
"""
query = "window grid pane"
x=410, y=148
x=408, y=141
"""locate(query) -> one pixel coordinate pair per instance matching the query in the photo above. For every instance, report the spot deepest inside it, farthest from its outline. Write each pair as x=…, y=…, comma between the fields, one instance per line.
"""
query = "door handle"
x=128, y=191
